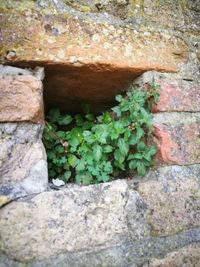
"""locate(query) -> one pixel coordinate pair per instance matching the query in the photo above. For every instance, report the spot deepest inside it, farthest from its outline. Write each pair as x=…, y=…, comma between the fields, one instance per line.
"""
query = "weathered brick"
x=178, y=138
x=175, y=94
x=21, y=96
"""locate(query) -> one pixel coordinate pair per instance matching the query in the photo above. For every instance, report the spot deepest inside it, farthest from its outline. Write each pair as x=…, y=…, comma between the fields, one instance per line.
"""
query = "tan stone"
x=177, y=137
x=188, y=256
x=21, y=97
x=173, y=198
x=71, y=220
x=84, y=60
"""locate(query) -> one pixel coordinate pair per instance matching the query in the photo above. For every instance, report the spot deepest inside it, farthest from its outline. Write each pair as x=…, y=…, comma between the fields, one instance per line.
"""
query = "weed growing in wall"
x=98, y=148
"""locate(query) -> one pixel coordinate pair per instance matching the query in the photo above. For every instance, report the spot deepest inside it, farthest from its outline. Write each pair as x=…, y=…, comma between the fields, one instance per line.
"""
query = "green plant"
x=98, y=148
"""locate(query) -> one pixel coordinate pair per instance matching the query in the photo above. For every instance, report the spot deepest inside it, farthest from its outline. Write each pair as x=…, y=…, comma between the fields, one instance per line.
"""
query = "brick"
x=175, y=94
x=178, y=138
x=21, y=96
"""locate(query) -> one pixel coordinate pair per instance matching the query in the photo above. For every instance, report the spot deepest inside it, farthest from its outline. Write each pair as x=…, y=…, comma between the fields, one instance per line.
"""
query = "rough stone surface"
x=173, y=198
x=21, y=97
x=23, y=166
x=99, y=215
x=175, y=93
x=188, y=256
x=132, y=254
x=84, y=60
x=177, y=137
x=102, y=215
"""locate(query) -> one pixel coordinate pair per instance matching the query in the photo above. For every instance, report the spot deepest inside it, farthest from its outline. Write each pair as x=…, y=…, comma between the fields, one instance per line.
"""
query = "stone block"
x=172, y=194
x=188, y=256
x=23, y=166
x=78, y=220
x=71, y=220
x=177, y=137
x=21, y=95
x=175, y=94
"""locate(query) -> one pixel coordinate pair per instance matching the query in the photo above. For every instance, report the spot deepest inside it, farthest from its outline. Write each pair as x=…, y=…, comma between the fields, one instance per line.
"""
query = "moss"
x=85, y=9
x=132, y=7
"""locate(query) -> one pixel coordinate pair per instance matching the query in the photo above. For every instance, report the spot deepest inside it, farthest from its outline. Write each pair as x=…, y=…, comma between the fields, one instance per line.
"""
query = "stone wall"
x=91, y=50
x=23, y=166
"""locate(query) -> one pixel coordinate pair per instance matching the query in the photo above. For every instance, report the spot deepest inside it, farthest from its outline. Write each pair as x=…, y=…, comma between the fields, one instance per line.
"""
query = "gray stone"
x=188, y=256
x=97, y=217
x=131, y=254
x=173, y=196
x=74, y=219
x=23, y=166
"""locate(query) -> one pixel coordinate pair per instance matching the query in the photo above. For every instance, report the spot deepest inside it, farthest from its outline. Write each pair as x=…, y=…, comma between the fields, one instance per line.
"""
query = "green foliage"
x=97, y=148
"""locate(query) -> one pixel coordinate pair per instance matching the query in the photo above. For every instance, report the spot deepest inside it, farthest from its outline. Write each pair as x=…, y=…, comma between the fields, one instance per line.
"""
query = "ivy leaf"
x=97, y=152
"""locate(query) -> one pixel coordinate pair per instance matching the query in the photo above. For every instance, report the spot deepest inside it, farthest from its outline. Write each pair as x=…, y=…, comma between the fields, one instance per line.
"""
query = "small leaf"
x=60, y=149
x=132, y=165
x=117, y=111
x=90, y=117
x=97, y=152
x=119, y=98
x=72, y=161
x=123, y=146
x=80, y=165
x=107, y=149
x=119, y=156
x=141, y=146
x=65, y=120
x=105, y=178
x=141, y=169
x=67, y=175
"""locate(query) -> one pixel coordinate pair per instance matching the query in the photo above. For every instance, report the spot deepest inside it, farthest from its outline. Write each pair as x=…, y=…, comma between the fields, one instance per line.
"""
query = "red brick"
x=21, y=97
x=178, y=95
x=178, y=138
